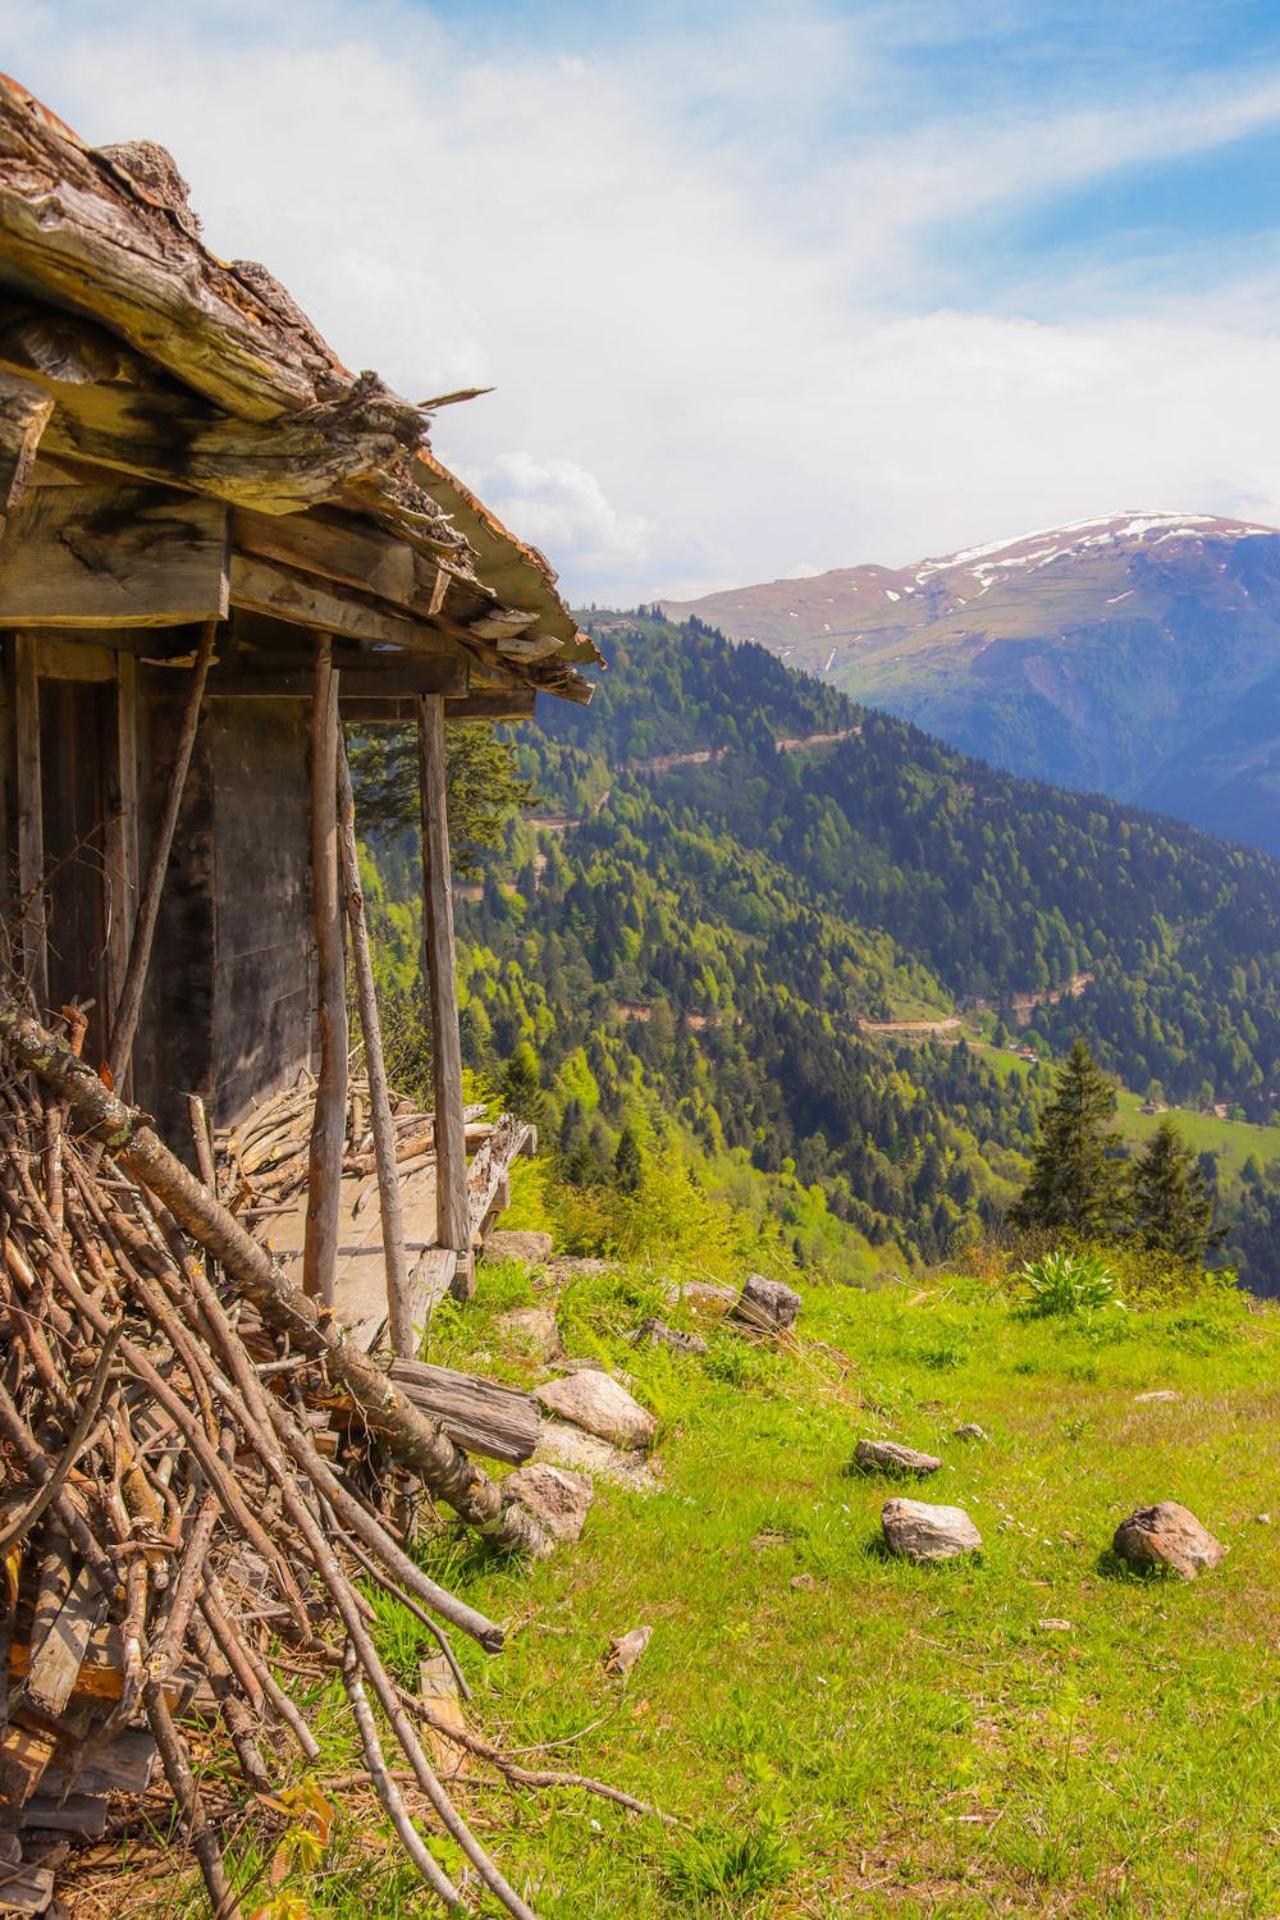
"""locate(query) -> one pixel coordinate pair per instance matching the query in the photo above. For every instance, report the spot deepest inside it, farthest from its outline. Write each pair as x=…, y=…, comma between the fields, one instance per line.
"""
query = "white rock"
x=510, y=1244
x=566, y=1446
x=533, y=1329
x=596, y=1401
x=921, y=1533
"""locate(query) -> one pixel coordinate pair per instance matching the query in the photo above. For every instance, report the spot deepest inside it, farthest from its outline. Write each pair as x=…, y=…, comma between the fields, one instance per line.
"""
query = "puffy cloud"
x=563, y=509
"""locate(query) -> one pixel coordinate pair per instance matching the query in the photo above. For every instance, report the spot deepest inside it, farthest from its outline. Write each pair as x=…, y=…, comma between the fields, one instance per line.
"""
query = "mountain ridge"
x=1136, y=655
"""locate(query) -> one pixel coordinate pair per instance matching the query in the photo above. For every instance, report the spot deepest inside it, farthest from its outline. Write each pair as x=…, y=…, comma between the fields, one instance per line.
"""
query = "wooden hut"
x=216, y=544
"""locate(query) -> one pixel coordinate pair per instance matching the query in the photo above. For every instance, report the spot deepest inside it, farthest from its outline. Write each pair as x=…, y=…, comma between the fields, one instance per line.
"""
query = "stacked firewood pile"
x=180, y=1532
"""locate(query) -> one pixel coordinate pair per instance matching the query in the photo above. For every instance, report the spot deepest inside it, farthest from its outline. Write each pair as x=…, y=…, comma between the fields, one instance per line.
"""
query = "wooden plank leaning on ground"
x=481, y=1415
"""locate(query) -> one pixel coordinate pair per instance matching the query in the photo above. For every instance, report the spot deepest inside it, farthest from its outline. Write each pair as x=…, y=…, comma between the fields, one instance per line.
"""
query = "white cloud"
x=699, y=271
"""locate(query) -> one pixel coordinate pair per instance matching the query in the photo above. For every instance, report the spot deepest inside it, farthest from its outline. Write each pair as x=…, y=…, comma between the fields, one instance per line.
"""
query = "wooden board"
x=481, y=1415
x=267, y=586
x=114, y=556
x=400, y=677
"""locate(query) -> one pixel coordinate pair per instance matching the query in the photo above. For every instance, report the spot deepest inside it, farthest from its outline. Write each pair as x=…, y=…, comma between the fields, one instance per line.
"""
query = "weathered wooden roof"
x=172, y=367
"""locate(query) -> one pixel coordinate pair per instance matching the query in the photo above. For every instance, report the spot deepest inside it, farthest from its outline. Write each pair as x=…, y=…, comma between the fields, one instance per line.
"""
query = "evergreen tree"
x=521, y=1087
x=627, y=1167
x=1075, y=1182
x=1170, y=1204
x=483, y=784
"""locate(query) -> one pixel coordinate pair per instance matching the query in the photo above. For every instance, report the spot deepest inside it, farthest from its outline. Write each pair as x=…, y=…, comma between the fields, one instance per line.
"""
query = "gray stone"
x=598, y=1403
x=564, y=1446
x=656, y=1333
x=886, y=1456
x=625, y=1649
x=558, y=1500
x=508, y=1244
x=970, y=1431
x=1168, y=1536
x=766, y=1305
x=533, y=1329
x=922, y=1533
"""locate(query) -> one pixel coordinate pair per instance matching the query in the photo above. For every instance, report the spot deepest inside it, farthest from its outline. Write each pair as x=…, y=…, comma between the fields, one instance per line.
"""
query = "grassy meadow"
x=835, y=1731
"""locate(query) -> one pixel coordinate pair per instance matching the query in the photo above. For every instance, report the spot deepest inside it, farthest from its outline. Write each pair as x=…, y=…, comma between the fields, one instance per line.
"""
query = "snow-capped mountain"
x=1138, y=654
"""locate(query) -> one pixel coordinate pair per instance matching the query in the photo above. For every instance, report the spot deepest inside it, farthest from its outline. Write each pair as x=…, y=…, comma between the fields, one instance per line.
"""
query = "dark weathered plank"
x=55, y=1666
x=328, y=1126
x=30, y=786
x=267, y=586
x=398, y=677
x=481, y=1415
x=113, y=556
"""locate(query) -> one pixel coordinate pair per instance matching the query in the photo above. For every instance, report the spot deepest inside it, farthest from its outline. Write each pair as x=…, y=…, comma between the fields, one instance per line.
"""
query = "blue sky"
x=761, y=288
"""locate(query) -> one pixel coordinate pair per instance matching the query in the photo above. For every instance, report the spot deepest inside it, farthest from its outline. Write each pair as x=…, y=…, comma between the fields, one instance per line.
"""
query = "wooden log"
x=114, y=557
x=481, y=705
x=395, y=677
x=394, y=1256
x=328, y=1126
x=26, y=722
x=452, y=1229
x=124, y=1023
x=265, y=586
x=481, y=1415
x=24, y=415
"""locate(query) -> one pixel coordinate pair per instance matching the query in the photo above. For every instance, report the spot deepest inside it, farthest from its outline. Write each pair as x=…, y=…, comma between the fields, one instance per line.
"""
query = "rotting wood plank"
x=24, y=415
x=26, y=721
x=329, y=1121
x=482, y=1415
x=491, y=1168
x=284, y=593
x=55, y=1666
x=442, y=988
x=114, y=556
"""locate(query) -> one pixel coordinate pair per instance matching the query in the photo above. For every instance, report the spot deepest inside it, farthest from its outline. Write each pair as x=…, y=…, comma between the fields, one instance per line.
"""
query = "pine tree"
x=521, y=1087
x=1170, y=1203
x=1075, y=1184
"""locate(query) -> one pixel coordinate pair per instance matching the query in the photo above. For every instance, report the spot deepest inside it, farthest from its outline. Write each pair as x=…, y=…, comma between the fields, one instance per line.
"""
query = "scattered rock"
x=1156, y=1393
x=626, y=1650
x=656, y=1333
x=1054, y=1626
x=582, y=1266
x=558, y=1500
x=595, y=1401
x=802, y=1582
x=1263, y=1519
x=766, y=1305
x=507, y=1244
x=533, y=1329
x=700, y=1296
x=922, y=1533
x=566, y=1446
x=1167, y=1535
x=970, y=1431
x=886, y=1456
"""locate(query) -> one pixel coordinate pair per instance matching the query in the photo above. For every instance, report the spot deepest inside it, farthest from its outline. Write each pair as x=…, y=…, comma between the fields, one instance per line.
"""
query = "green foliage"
x=1075, y=1183
x=728, y=1862
x=483, y=785
x=1065, y=1283
x=1170, y=1206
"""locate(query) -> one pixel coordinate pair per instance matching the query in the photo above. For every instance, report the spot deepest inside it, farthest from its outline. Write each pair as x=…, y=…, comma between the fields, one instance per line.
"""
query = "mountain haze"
x=1138, y=656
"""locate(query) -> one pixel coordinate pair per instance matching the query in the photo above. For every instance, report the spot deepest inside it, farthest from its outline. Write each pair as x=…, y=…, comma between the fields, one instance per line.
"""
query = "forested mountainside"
x=1138, y=655
x=770, y=944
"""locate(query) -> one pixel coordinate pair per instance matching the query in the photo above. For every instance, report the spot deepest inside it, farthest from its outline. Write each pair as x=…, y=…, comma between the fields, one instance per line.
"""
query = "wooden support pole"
x=329, y=1120
x=26, y=718
x=452, y=1226
x=121, y=840
x=124, y=1026
x=395, y=1259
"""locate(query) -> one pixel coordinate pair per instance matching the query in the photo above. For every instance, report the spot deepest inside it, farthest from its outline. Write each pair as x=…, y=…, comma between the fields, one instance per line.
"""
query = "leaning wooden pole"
x=452, y=1226
x=413, y=1440
x=399, y=1306
x=124, y=1025
x=329, y=1121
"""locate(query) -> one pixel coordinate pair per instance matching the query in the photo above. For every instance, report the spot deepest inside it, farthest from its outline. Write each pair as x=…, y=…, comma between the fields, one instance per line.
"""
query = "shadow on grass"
x=1111, y=1565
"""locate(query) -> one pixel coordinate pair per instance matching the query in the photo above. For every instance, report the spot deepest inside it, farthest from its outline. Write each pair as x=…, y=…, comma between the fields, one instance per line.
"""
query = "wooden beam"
x=121, y=847
x=480, y=705
x=266, y=586
x=26, y=720
x=24, y=415
x=61, y=658
x=124, y=1024
x=237, y=678
x=329, y=1119
x=395, y=1258
x=452, y=1225
x=113, y=557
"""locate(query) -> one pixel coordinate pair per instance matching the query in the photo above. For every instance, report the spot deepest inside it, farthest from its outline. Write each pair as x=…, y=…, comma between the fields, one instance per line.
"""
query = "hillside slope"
x=1137, y=656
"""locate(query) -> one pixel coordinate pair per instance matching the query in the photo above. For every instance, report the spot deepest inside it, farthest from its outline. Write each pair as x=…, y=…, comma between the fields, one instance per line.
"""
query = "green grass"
x=1232, y=1140
x=880, y=1738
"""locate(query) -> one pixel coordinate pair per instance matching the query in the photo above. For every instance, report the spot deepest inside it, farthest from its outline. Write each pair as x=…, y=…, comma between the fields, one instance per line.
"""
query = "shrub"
x=1066, y=1283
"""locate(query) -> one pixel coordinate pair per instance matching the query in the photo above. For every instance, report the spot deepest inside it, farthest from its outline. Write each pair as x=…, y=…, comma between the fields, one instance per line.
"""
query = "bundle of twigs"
x=161, y=1470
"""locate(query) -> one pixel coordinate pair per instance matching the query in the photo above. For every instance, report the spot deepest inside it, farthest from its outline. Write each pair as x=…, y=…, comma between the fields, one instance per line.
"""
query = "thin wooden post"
x=452, y=1228
x=329, y=1120
x=125, y=1024
x=26, y=717
x=121, y=848
x=399, y=1306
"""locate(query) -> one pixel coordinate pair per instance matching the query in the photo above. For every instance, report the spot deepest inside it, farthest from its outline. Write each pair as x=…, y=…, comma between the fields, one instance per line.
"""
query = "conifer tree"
x=1170, y=1204
x=628, y=1168
x=1075, y=1184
